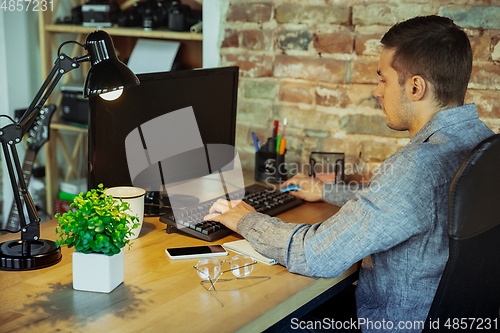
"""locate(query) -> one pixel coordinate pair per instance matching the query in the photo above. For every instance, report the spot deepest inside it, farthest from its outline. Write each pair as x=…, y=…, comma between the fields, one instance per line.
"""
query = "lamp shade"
x=106, y=73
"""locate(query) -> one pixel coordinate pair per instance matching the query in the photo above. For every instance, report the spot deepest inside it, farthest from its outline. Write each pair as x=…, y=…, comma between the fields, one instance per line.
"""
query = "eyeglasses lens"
x=241, y=266
x=208, y=268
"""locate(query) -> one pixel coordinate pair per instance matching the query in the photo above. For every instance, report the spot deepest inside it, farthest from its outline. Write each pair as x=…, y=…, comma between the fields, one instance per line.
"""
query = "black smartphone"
x=196, y=252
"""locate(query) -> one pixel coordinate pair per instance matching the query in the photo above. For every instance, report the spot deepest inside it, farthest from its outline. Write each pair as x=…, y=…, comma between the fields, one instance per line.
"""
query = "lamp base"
x=43, y=253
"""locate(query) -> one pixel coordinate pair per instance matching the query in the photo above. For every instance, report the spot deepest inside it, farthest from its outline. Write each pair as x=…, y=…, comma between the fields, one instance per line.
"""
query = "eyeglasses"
x=211, y=268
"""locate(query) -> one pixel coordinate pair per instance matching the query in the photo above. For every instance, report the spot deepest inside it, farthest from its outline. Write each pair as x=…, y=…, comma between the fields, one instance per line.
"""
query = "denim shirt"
x=397, y=225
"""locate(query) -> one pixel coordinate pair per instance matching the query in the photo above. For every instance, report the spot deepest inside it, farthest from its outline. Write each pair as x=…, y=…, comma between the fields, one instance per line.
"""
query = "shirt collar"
x=444, y=119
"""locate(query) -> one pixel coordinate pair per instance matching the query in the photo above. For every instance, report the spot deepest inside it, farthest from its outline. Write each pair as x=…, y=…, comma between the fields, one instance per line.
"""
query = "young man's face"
x=394, y=98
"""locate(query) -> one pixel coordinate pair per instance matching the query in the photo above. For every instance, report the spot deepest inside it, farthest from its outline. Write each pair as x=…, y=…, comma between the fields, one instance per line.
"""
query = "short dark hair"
x=436, y=49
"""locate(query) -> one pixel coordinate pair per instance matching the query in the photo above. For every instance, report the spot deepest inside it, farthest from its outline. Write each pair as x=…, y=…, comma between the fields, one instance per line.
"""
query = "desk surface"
x=158, y=294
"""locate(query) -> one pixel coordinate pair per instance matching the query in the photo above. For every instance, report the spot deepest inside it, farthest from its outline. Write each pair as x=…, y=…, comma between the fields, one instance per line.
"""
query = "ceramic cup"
x=135, y=197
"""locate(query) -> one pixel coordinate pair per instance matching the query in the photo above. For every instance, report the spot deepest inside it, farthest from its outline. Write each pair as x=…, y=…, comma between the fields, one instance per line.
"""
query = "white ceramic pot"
x=97, y=272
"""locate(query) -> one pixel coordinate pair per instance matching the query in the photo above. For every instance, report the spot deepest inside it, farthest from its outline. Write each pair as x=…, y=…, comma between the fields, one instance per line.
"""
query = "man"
x=398, y=224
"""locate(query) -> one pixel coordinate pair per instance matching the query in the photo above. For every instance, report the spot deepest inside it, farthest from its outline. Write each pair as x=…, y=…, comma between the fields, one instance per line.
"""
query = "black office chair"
x=470, y=285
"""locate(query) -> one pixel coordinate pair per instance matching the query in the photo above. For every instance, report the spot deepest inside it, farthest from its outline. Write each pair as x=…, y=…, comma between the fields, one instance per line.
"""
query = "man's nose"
x=378, y=92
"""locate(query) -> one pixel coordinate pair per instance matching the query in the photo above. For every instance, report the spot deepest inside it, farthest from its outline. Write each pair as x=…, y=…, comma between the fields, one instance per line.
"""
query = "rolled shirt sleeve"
x=374, y=221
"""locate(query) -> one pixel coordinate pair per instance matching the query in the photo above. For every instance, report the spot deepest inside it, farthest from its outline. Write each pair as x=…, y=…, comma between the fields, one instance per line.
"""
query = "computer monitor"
x=212, y=94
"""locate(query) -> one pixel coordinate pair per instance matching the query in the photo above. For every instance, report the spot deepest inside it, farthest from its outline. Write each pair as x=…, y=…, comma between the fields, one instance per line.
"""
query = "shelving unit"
x=128, y=32
x=124, y=40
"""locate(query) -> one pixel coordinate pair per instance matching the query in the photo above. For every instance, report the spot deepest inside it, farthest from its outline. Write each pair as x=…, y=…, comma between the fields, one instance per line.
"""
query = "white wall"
x=20, y=75
x=4, y=96
x=213, y=10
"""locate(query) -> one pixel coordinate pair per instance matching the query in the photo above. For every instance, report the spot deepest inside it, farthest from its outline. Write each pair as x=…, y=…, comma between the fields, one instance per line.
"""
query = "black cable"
x=10, y=118
x=68, y=42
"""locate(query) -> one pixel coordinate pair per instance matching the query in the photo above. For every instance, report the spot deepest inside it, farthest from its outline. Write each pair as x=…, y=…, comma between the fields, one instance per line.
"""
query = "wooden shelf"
x=127, y=32
x=68, y=127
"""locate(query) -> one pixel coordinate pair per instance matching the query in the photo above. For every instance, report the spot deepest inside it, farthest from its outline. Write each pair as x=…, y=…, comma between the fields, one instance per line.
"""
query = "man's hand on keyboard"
x=221, y=212
x=311, y=189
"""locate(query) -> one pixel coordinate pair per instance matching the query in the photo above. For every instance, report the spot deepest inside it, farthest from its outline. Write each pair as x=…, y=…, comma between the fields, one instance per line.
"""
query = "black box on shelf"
x=96, y=16
x=75, y=108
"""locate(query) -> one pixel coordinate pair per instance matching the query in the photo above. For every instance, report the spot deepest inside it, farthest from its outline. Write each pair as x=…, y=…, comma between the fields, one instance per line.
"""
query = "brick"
x=256, y=113
x=493, y=124
x=307, y=146
x=260, y=89
x=349, y=96
x=295, y=13
x=473, y=16
x=295, y=92
x=487, y=102
x=495, y=48
x=299, y=119
x=230, y=38
x=241, y=140
x=333, y=96
x=387, y=13
x=294, y=40
x=250, y=65
x=315, y=133
x=257, y=39
x=314, y=69
x=480, y=47
x=368, y=45
x=250, y=12
x=247, y=160
x=485, y=76
x=334, y=43
x=374, y=125
x=334, y=145
x=364, y=71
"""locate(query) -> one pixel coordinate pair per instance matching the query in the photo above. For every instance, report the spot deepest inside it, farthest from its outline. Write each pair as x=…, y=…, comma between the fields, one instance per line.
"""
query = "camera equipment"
x=181, y=17
x=149, y=14
x=96, y=14
x=152, y=14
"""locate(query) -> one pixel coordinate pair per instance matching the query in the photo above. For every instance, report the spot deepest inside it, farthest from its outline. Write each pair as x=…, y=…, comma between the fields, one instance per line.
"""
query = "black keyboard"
x=263, y=199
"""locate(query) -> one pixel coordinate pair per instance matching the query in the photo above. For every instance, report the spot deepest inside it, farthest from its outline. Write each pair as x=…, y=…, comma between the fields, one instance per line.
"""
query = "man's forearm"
x=267, y=235
x=339, y=194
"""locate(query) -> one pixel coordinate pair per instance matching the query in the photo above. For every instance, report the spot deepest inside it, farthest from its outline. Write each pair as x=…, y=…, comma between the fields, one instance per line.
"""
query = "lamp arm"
x=12, y=134
x=62, y=65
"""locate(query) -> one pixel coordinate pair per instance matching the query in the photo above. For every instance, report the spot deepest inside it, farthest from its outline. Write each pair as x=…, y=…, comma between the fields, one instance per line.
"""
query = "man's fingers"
x=292, y=181
x=211, y=217
x=221, y=206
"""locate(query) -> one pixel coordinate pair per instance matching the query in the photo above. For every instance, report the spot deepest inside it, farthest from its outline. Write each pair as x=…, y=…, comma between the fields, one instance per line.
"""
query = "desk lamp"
x=107, y=77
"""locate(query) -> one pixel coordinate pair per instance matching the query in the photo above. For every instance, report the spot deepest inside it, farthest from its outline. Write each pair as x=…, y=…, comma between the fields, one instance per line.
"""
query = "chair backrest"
x=470, y=285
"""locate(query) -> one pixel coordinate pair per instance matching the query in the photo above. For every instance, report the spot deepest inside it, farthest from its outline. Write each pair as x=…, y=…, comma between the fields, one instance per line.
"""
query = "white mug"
x=135, y=197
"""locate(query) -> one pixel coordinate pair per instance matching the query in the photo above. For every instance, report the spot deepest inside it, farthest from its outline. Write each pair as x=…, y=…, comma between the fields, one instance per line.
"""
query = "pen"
x=275, y=131
x=282, y=146
x=255, y=141
x=284, y=128
x=278, y=142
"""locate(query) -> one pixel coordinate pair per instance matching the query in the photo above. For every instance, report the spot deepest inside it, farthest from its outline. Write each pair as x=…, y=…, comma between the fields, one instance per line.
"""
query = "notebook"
x=244, y=247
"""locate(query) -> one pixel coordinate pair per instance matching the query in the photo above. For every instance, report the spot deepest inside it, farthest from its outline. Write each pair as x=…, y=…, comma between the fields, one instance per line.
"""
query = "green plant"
x=99, y=225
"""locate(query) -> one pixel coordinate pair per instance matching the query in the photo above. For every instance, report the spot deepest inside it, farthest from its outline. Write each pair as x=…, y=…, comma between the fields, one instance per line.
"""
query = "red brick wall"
x=314, y=62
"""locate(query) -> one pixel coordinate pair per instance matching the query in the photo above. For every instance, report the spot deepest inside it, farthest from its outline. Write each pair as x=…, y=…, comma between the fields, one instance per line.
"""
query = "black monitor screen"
x=211, y=93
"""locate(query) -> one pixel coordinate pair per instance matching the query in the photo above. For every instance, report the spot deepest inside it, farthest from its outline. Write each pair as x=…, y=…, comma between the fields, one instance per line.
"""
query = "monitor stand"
x=157, y=203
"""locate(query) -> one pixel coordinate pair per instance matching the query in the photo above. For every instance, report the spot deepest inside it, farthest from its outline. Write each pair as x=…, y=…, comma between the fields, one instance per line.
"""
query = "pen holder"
x=270, y=166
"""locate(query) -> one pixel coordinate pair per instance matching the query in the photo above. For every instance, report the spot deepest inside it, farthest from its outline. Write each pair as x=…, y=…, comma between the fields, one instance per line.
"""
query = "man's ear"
x=419, y=87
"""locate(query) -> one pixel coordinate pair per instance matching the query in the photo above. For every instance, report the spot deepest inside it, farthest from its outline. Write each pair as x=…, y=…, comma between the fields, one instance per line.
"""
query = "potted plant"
x=98, y=231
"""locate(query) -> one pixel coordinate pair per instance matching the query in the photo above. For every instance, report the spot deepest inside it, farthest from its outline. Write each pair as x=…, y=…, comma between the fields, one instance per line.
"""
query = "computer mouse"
x=291, y=187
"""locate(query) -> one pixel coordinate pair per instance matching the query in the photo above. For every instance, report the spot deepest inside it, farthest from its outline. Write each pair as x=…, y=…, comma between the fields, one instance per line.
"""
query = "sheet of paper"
x=149, y=56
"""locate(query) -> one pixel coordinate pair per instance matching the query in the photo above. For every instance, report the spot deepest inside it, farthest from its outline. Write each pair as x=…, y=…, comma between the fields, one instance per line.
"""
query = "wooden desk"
x=159, y=294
